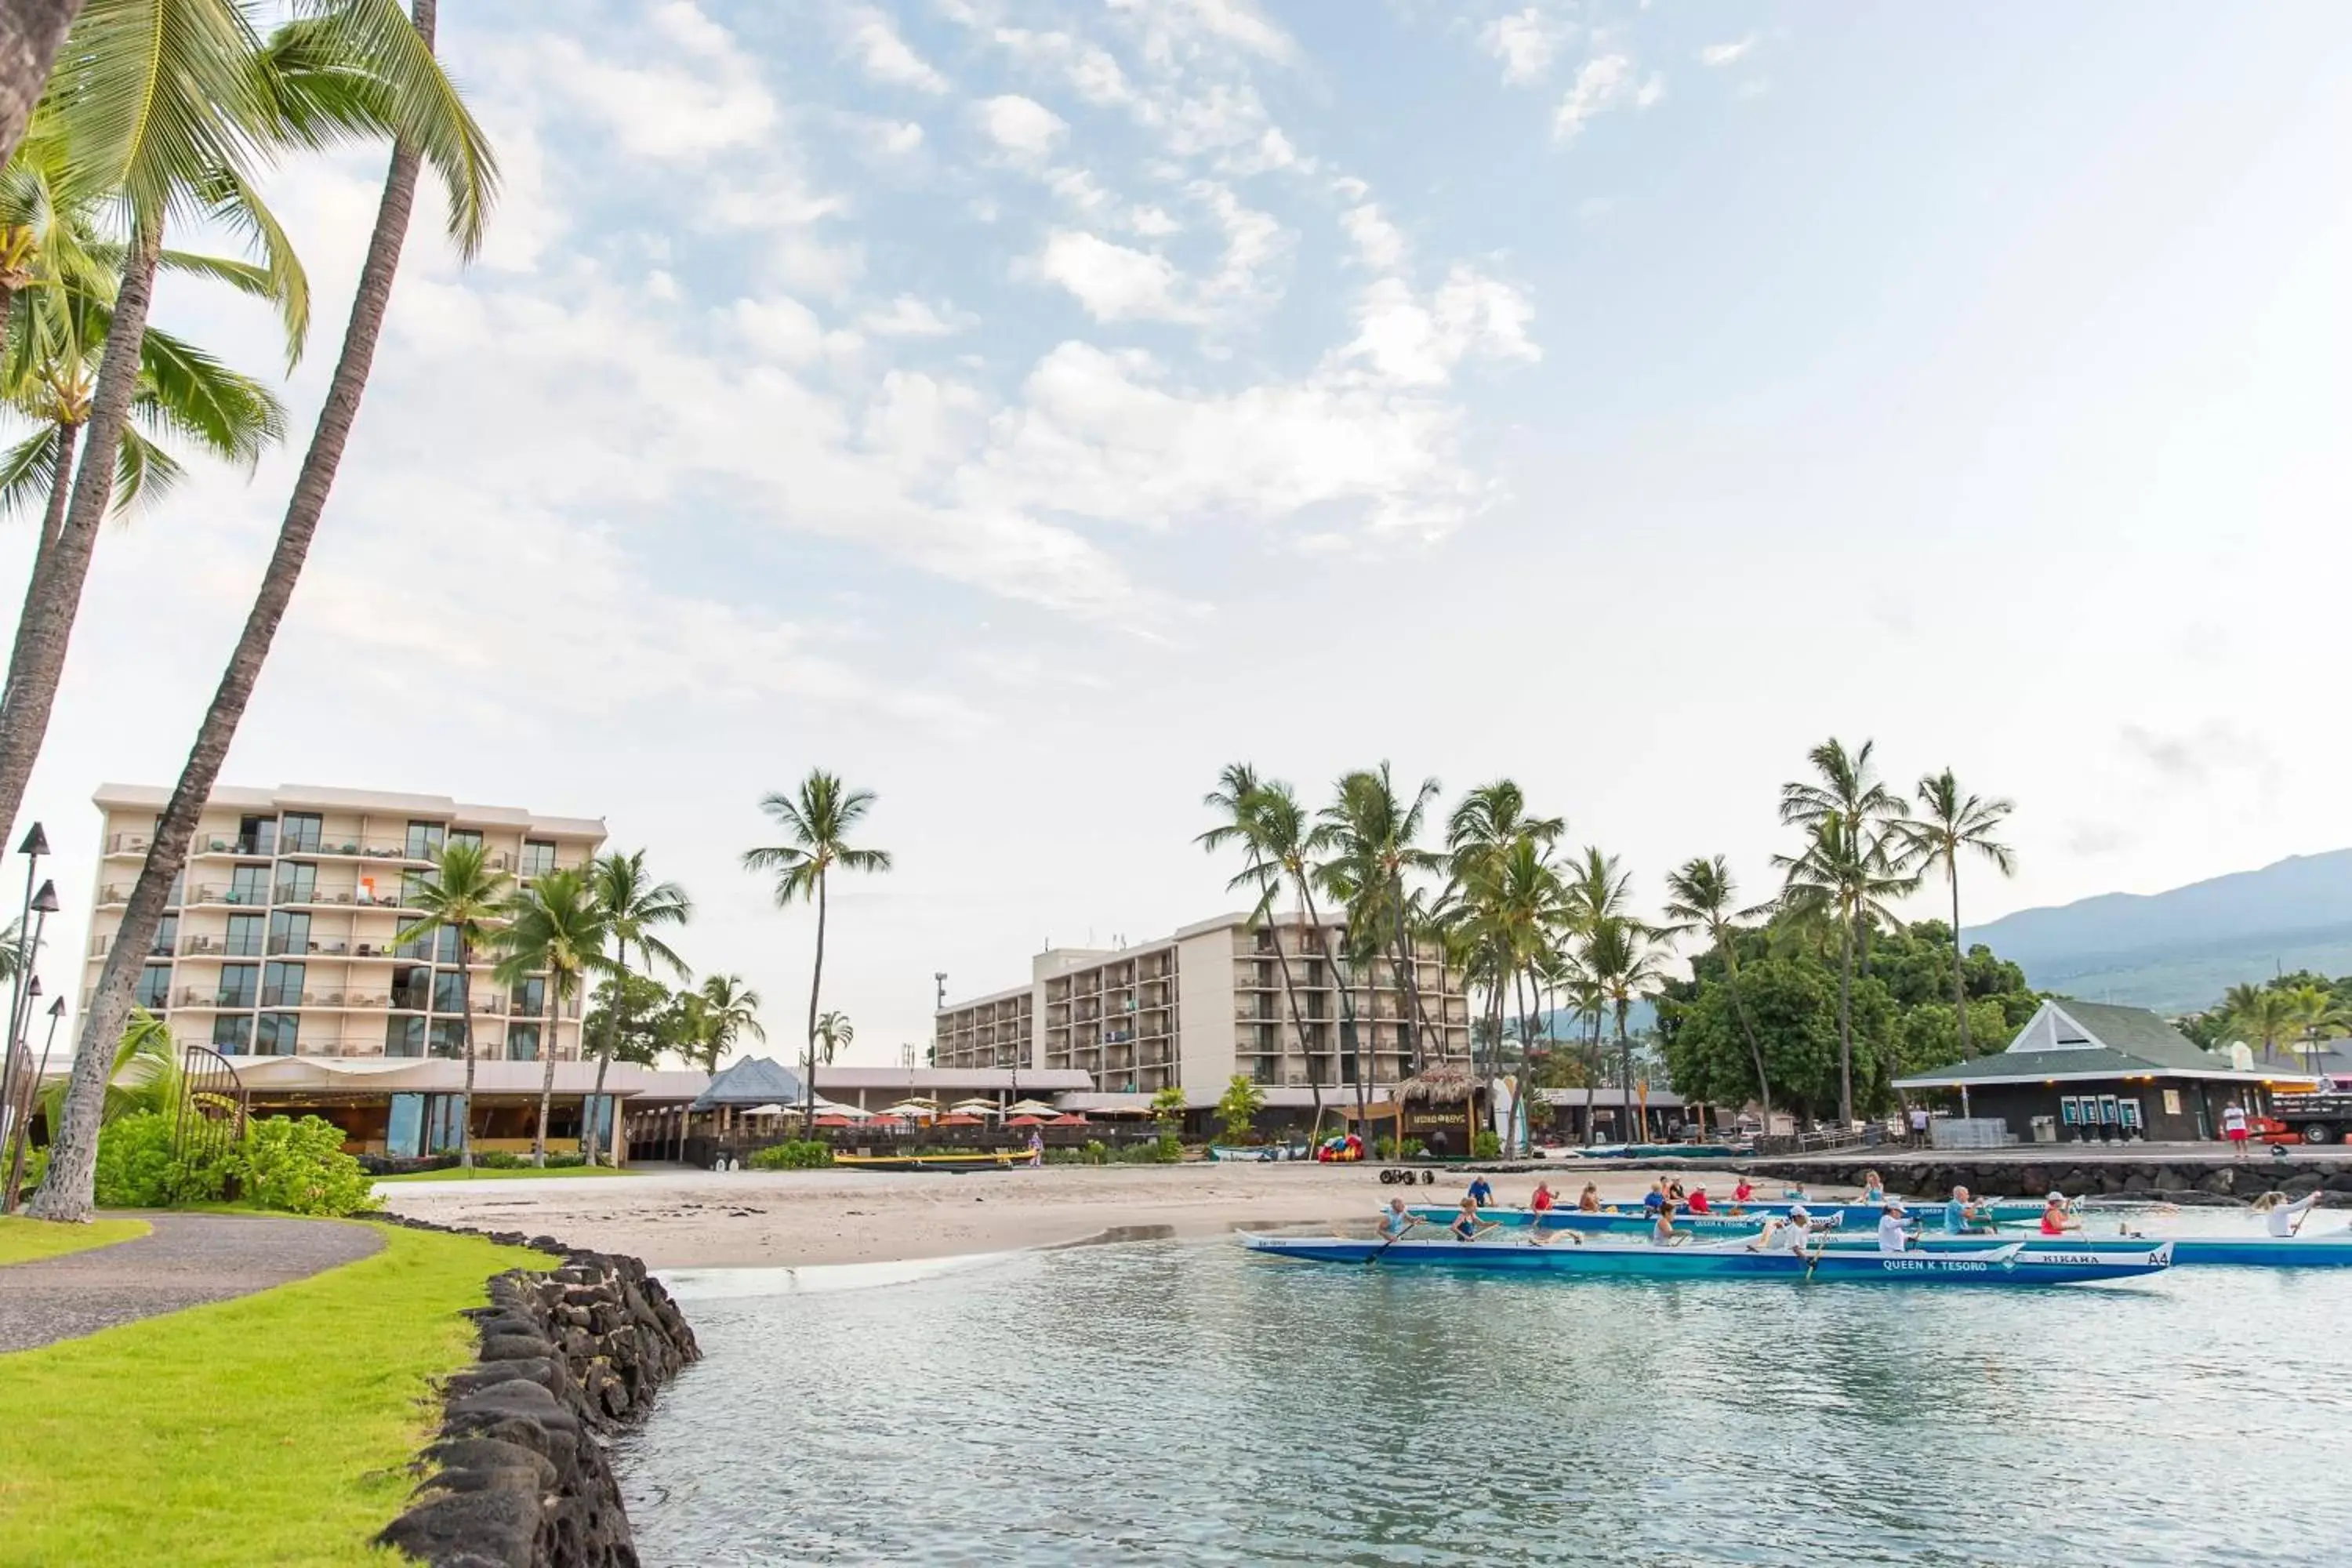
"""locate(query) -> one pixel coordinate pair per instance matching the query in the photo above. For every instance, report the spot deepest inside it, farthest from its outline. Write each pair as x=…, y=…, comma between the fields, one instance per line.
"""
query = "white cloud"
x=1652, y=91
x=1377, y=239
x=1727, y=54
x=909, y=317
x=1525, y=42
x=1175, y=29
x=886, y=57
x=1020, y=125
x=781, y=326
x=668, y=109
x=1151, y=223
x=1111, y=282
x=1602, y=83
x=1419, y=343
x=1078, y=188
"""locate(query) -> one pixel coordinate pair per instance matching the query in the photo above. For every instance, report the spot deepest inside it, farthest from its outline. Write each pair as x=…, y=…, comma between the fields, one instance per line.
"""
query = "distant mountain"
x=2179, y=950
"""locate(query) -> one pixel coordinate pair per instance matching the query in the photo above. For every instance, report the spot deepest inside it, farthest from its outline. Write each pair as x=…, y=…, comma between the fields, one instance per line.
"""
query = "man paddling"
x=1962, y=1215
x=1891, y=1222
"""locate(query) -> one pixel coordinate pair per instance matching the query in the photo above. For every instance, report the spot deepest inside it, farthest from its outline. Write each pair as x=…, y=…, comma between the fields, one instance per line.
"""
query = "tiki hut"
x=1438, y=1100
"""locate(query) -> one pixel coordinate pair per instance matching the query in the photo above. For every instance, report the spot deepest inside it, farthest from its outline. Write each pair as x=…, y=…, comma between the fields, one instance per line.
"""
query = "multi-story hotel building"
x=282, y=937
x=1195, y=1008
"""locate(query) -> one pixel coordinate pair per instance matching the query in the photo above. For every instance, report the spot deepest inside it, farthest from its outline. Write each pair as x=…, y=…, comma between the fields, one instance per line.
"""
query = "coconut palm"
x=558, y=927
x=724, y=1009
x=1853, y=880
x=345, y=67
x=30, y=34
x=1700, y=896
x=466, y=896
x=1371, y=836
x=636, y=906
x=2260, y=1013
x=818, y=819
x=144, y=1076
x=1953, y=823
x=2315, y=1012
x=834, y=1033
x=1623, y=959
x=1488, y=822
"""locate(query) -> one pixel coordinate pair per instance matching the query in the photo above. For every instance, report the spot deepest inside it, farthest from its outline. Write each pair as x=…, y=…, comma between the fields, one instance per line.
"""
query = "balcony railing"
x=222, y=947
x=128, y=843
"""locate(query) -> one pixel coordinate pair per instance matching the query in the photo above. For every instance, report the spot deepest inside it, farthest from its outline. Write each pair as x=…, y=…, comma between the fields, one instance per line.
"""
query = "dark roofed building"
x=2090, y=1071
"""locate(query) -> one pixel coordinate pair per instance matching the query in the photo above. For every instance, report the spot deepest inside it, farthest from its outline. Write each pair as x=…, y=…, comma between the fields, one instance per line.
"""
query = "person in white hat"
x=1891, y=1221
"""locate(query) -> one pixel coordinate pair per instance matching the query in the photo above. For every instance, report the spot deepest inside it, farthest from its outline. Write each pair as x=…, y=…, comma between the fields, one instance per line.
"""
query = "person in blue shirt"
x=1656, y=1198
x=1481, y=1192
x=1961, y=1214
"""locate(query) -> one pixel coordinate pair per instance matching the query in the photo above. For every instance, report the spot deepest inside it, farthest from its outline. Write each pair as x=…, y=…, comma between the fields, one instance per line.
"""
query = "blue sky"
x=1027, y=409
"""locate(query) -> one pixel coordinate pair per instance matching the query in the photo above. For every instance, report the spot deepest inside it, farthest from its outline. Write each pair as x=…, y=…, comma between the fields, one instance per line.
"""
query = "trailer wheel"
x=2318, y=1133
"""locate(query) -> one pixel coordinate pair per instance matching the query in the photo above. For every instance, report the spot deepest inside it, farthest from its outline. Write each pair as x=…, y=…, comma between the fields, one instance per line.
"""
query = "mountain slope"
x=2180, y=949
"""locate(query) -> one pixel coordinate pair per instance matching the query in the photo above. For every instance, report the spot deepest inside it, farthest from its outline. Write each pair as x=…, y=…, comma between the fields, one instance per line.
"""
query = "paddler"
x=1542, y=1201
x=1962, y=1215
x=1395, y=1221
x=1588, y=1200
x=1656, y=1198
x=1465, y=1224
x=1662, y=1230
x=1745, y=1193
x=2282, y=1214
x=1873, y=1191
x=1891, y=1222
x=1481, y=1193
x=2055, y=1220
x=1698, y=1203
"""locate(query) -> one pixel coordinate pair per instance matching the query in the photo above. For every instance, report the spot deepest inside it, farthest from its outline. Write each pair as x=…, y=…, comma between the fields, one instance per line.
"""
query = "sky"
x=1024, y=410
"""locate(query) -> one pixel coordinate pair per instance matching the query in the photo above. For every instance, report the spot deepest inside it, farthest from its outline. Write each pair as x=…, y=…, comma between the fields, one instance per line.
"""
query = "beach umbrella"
x=976, y=1107
x=847, y=1112
x=913, y=1111
x=1031, y=1108
x=1067, y=1120
x=1023, y=1121
x=832, y=1119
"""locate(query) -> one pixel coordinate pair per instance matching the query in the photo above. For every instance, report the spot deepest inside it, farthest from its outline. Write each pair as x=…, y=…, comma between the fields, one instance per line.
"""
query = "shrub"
x=1095, y=1153
x=136, y=1168
x=564, y=1159
x=1169, y=1150
x=501, y=1159
x=298, y=1166
x=1486, y=1146
x=1414, y=1148
x=792, y=1154
x=1067, y=1157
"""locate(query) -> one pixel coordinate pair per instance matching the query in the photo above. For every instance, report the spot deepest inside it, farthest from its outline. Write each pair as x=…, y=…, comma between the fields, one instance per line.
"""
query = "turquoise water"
x=1182, y=1403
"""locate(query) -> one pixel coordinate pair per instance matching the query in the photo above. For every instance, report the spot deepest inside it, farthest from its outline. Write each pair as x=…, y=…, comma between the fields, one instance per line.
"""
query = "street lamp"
x=21, y=1138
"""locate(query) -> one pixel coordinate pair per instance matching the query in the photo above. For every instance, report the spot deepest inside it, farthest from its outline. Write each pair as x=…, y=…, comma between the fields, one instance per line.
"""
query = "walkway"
x=187, y=1259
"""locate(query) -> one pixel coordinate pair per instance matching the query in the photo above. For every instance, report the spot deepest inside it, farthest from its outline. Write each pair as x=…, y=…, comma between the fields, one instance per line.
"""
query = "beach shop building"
x=2092, y=1073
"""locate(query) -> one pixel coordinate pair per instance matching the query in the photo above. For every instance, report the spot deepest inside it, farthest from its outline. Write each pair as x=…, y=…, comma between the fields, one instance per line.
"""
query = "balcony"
x=214, y=1001
x=128, y=843
x=233, y=845
x=221, y=947
x=214, y=893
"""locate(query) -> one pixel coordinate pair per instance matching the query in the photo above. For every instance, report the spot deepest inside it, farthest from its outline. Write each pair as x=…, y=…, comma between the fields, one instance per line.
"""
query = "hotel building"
x=281, y=936
x=1197, y=1007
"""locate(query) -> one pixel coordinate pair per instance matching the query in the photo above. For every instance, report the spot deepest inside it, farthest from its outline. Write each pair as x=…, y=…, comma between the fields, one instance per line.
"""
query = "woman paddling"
x=2284, y=1217
x=1588, y=1200
x=1466, y=1227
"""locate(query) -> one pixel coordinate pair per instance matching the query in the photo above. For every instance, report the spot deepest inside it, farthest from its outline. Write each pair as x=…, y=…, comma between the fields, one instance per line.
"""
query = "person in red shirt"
x=1698, y=1203
x=2055, y=1220
x=1541, y=1202
x=1744, y=1192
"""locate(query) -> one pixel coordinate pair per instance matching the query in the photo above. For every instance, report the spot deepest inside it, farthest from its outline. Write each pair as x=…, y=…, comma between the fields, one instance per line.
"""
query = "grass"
x=29, y=1240
x=276, y=1428
x=486, y=1174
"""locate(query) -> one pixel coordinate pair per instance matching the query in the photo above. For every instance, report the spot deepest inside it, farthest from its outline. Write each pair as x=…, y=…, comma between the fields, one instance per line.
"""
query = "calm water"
x=1167, y=1402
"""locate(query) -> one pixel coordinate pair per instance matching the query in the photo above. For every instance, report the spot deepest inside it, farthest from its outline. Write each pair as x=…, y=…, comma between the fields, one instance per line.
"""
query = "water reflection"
x=1167, y=1403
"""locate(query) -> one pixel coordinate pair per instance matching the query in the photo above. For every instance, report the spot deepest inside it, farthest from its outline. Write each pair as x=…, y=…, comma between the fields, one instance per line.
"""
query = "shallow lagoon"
x=1172, y=1403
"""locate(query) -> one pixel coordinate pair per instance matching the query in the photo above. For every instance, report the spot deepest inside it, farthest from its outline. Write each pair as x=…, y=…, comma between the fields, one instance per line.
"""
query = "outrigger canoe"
x=2005, y=1212
x=1988, y=1265
x=1616, y=1222
x=2333, y=1250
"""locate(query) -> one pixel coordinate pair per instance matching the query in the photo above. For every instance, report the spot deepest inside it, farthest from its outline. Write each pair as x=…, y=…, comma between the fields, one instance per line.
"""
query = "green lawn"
x=24, y=1240
x=527, y=1172
x=276, y=1428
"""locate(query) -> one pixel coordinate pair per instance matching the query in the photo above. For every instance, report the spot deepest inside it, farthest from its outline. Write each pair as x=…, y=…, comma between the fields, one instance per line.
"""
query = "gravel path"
x=188, y=1259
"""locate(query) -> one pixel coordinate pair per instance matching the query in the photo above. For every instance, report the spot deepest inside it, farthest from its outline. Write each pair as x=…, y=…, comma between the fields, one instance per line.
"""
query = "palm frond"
x=232, y=202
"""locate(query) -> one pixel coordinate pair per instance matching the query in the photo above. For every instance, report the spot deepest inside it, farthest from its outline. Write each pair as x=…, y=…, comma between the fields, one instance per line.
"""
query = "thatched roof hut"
x=1436, y=1086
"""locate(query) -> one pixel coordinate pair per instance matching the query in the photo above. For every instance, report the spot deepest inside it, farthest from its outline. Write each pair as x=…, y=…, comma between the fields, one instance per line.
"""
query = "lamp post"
x=36, y=845
x=23, y=1138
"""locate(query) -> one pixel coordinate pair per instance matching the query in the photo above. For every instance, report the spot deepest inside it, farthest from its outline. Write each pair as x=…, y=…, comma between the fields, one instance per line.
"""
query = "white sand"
x=675, y=1219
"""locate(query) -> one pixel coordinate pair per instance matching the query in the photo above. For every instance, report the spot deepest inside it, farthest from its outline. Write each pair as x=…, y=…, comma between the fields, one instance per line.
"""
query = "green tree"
x=1168, y=1109
x=2260, y=1013
x=1849, y=872
x=1701, y=896
x=1623, y=957
x=1369, y=836
x=465, y=897
x=635, y=1018
x=817, y=819
x=834, y=1033
x=1238, y=1107
x=557, y=927
x=1951, y=824
x=346, y=69
x=720, y=1012
x=1265, y=822
x=2314, y=1013
x=30, y=34
x=636, y=908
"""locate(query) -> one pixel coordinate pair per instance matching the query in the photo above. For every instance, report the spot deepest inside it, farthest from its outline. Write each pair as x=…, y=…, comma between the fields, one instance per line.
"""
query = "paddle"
x=1400, y=1236
x=2305, y=1215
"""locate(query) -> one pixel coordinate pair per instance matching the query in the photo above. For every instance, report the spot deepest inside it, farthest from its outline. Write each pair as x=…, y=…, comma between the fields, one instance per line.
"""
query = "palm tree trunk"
x=1290, y=997
x=604, y=1056
x=816, y=979
x=53, y=522
x=1625, y=1077
x=1343, y=984
x=1845, y=1029
x=547, y=1065
x=1755, y=1046
x=1959, y=972
x=53, y=592
x=466, y=1040
x=65, y=1193
x=1408, y=975
x=30, y=34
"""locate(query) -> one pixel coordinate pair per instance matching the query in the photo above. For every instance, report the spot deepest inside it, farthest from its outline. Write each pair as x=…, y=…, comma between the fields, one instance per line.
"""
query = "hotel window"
x=448, y=991
x=298, y=882
x=412, y=888
x=538, y=857
x=300, y=834
x=178, y=895
x=233, y=1035
x=256, y=834
x=154, y=991
x=403, y=1037
x=277, y=1035
x=290, y=930
x=243, y=938
x=249, y=885
x=281, y=986
x=529, y=998
x=239, y=984
x=522, y=1042
x=411, y=988
x=425, y=840
x=167, y=937
x=469, y=837
x=447, y=1040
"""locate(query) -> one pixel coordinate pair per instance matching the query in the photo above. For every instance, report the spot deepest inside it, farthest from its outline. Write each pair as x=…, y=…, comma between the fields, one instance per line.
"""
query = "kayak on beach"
x=2011, y=1264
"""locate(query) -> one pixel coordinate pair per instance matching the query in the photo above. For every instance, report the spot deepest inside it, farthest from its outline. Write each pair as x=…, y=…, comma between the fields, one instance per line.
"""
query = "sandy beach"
x=680, y=1218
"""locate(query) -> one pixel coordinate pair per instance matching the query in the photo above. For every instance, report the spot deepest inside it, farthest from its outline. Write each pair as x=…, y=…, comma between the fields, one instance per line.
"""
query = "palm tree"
x=2262, y=1011
x=1488, y=822
x=1951, y=823
x=634, y=905
x=359, y=67
x=1621, y=953
x=725, y=1009
x=2313, y=1010
x=834, y=1033
x=30, y=33
x=145, y=1076
x=1371, y=835
x=818, y=820
x=1852, y=881
x=465, y=897
x=558, y=927
x=1700, y=896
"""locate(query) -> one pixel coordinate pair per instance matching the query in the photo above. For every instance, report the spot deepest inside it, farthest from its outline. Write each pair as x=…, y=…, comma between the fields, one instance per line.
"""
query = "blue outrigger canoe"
x=2333, y=1250
x=1610, y=1222
x=1854, y=1215
x=2007, y=1265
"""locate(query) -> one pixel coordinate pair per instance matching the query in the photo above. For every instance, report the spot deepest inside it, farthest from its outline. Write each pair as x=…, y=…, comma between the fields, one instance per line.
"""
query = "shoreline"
x=784, y=1219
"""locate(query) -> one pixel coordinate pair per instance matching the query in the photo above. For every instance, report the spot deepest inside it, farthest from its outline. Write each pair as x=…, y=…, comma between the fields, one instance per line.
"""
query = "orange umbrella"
x=1024, y=1121
x=835, y=1122
x=1069, y=1119
x=956, y=1119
